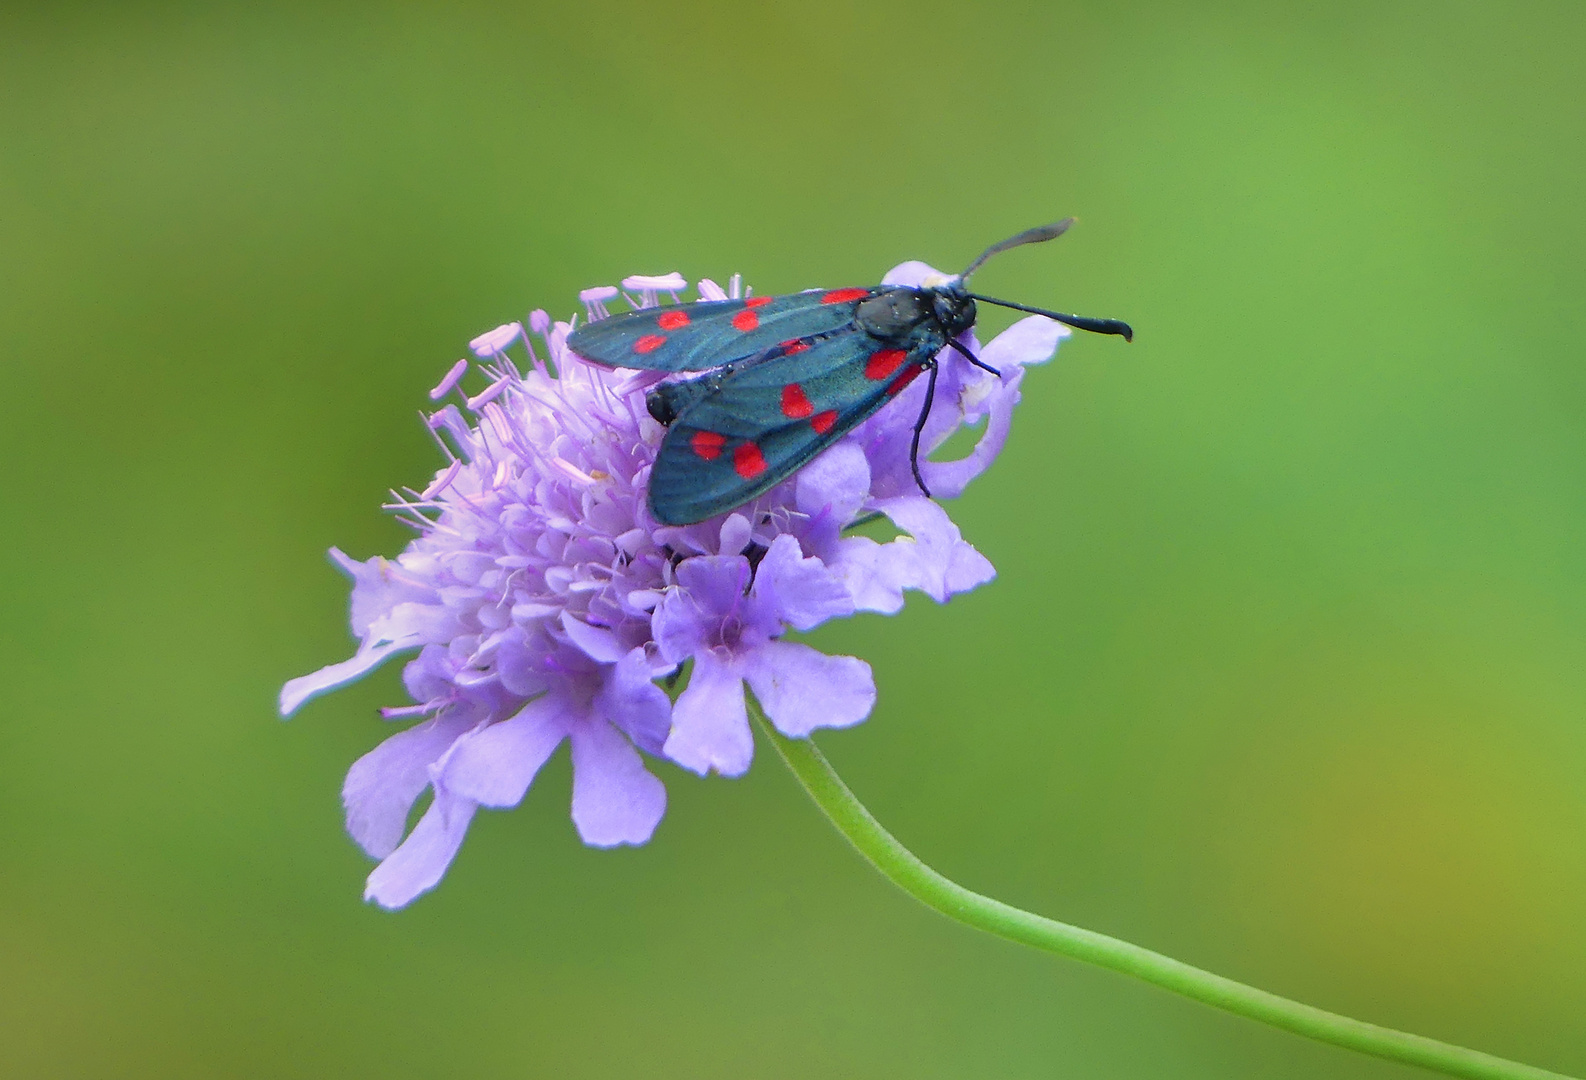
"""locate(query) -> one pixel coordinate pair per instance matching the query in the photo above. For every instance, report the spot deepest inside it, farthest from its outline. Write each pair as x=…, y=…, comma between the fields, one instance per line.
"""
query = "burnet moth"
x=787, y=376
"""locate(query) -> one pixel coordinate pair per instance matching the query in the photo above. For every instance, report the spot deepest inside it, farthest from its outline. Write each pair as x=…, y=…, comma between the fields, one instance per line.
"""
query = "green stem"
x=911, y=875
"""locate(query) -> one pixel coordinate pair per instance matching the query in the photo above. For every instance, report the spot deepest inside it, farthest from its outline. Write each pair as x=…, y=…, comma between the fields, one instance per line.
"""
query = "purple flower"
x=732, y=629
x=542, y=600
x=529, y=593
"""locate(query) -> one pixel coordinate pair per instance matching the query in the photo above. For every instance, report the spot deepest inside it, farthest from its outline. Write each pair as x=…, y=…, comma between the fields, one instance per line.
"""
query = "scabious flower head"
x=543, y=602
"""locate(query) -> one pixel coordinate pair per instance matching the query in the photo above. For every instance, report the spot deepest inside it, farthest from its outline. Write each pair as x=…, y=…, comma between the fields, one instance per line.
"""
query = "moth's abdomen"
x=662, y=406
x=670, y=400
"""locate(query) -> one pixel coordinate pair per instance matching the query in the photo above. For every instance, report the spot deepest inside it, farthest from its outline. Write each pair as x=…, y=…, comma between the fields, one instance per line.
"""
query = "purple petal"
x=426, y=623
x=801, y=689
x=956, y=378
x=678, y=627
x=967, y=569
x=835, y=483
x=715, y=582
x=948, y=479
x=382, y=785
x=378, y=586
x=801, y=592
x=1029, y=341
x=735, y=534
x=709, y=588
x=912, y=273
x=418, y=865
x=596, y=642
x=630, y=700
x=701, y=538
x=495, y=766
x=875, y=575
x=521, y=661
x=366, y=659
x=615, y=798
x=710, y=727
x=944, y=562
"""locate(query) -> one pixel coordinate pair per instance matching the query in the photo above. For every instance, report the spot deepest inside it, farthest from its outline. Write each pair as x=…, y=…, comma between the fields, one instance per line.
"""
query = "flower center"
x=730, y=632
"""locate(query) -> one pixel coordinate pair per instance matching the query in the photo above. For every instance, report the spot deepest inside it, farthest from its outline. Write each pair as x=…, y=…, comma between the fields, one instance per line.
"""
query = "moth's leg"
x=973, y=359
x=919, y=426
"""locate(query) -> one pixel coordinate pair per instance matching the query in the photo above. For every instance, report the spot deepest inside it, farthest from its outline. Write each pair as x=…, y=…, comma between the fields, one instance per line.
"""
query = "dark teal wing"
x=710, y=333
x=741, y=434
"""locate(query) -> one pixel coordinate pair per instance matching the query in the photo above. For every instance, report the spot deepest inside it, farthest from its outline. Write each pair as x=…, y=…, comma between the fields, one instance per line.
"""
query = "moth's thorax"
x=893, y=314
x=897, y=314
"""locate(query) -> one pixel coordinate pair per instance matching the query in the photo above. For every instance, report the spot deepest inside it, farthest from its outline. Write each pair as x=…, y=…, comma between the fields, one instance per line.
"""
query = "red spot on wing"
x=910, y=373
x=795, y=404
x=748, y=461
x=649, y=343
x=842, y=296
x=758, y=301
x=708, y=444
x=822, y=421
x=673, y=320
x=793, y=346
x=746, y=320
x=881, y=365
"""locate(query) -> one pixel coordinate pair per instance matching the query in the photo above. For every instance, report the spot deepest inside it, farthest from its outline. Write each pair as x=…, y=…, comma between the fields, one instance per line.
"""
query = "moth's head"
x=952, y=307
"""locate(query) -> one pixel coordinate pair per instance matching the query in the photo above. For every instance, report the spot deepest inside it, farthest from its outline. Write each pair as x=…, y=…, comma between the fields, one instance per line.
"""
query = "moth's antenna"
x=1037, y=235
x=1079, y=322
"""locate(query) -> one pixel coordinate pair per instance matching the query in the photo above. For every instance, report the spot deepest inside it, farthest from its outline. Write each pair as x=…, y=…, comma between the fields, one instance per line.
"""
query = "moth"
x=784, y=377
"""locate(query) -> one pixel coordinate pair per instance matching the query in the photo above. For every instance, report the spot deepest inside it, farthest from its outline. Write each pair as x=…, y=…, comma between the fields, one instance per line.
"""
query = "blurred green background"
x=1282, y=675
